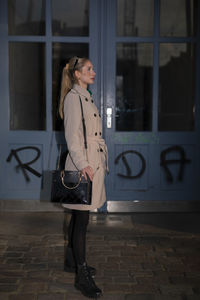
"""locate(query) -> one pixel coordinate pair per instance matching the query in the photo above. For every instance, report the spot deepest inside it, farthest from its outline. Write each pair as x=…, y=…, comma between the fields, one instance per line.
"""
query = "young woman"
x=77, y=75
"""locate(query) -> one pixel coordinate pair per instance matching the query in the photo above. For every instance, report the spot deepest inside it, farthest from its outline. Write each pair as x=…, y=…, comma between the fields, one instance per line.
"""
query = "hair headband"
x=76, y=61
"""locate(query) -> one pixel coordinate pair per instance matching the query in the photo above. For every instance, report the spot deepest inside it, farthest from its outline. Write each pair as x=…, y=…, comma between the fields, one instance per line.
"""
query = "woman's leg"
x=71, y=229
x=83, y=280
x=81, y=220
x=69, y=261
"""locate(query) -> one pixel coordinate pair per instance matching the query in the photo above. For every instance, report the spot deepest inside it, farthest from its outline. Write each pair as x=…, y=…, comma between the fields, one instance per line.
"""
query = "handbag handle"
x=62, y=175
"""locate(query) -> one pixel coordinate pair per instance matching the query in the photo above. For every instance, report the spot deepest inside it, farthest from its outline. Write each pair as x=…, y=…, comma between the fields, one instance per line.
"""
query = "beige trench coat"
x=97, y=149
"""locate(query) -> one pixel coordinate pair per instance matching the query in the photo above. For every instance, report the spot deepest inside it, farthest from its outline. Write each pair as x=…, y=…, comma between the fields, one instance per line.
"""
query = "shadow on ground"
x=183, y=222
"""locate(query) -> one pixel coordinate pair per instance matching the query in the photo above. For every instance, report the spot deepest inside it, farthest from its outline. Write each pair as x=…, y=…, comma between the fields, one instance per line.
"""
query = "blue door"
x=147, y=57
x=151, y=95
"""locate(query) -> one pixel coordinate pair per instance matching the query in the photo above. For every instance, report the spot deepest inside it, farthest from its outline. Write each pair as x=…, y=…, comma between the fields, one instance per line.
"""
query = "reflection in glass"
x=70, y=18
x=178, y=17
x=27, y=86
x=135, y=17
x=26, y=17
x=134, y=87
x=176, y=87
x=62, y=52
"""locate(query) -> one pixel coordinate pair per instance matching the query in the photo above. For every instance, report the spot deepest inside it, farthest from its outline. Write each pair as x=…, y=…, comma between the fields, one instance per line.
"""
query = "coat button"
x=100, y=132
x=86, y=99
x=92, y=101
x=95, y=133
x=99, y=115
x=95, y=115
x=101, y=150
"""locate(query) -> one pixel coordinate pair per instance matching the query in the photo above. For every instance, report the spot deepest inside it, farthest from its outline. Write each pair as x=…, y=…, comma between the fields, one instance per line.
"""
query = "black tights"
x=77, y=234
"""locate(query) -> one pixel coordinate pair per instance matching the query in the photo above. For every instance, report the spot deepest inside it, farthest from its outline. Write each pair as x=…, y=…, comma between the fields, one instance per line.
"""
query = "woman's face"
x=86, y=75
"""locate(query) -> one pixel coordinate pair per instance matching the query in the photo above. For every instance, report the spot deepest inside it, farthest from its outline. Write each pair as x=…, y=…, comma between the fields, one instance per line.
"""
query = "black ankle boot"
x=85, y=283
x=70, y=265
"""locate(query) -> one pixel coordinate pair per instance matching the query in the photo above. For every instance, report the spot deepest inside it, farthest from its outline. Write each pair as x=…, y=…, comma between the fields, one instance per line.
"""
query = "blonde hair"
x=69, y=78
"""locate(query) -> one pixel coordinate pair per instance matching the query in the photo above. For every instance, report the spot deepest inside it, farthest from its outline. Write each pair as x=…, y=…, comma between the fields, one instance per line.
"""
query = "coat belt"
x=102, y=145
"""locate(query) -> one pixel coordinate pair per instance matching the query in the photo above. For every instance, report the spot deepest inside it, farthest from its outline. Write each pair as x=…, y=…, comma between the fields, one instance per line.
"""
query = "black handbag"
x=70, y=187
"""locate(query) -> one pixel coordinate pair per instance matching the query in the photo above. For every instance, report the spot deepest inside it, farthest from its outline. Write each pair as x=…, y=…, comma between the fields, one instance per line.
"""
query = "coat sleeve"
x=74, y=130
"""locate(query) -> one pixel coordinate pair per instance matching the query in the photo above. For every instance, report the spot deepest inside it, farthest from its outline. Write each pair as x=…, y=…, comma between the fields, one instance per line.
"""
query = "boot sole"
x=85, y=294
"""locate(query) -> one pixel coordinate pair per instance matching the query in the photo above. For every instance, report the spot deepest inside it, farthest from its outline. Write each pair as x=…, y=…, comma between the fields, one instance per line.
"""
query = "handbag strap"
x=84, y=132
x=83, y=121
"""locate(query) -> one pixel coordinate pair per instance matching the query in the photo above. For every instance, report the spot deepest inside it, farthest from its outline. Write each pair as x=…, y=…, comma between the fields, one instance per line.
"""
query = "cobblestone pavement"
x=137, y=256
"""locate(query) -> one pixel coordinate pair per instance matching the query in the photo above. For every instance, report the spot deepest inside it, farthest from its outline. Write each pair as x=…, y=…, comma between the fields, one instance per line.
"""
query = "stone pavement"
x=137, y=256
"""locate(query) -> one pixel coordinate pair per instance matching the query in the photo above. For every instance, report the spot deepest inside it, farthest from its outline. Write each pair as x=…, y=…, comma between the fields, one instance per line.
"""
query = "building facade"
x=146, y=54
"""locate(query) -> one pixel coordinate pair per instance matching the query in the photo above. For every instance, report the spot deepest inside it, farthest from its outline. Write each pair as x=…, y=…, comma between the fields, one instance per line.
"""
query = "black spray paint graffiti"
x=163, y=162
x=25, y=166
x=128, y=169
x=182, y=161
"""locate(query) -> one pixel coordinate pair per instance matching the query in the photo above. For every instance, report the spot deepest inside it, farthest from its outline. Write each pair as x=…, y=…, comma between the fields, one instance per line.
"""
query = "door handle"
x=109, y=117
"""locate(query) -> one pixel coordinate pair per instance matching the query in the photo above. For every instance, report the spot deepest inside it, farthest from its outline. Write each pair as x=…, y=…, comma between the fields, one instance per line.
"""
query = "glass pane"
x=135, y=17
x=70, y=18
x=26, y=17
x=62, y=52
x=134, y=87
x=178, y=17
x=27, y=86
x=176, y=87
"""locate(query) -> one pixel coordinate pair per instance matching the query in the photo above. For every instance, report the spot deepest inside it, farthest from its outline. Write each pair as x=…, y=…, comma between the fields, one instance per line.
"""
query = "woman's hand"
x=89, y=171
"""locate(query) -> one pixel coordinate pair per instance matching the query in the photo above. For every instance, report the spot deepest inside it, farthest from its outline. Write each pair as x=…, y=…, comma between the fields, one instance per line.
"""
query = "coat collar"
x=81, y=91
